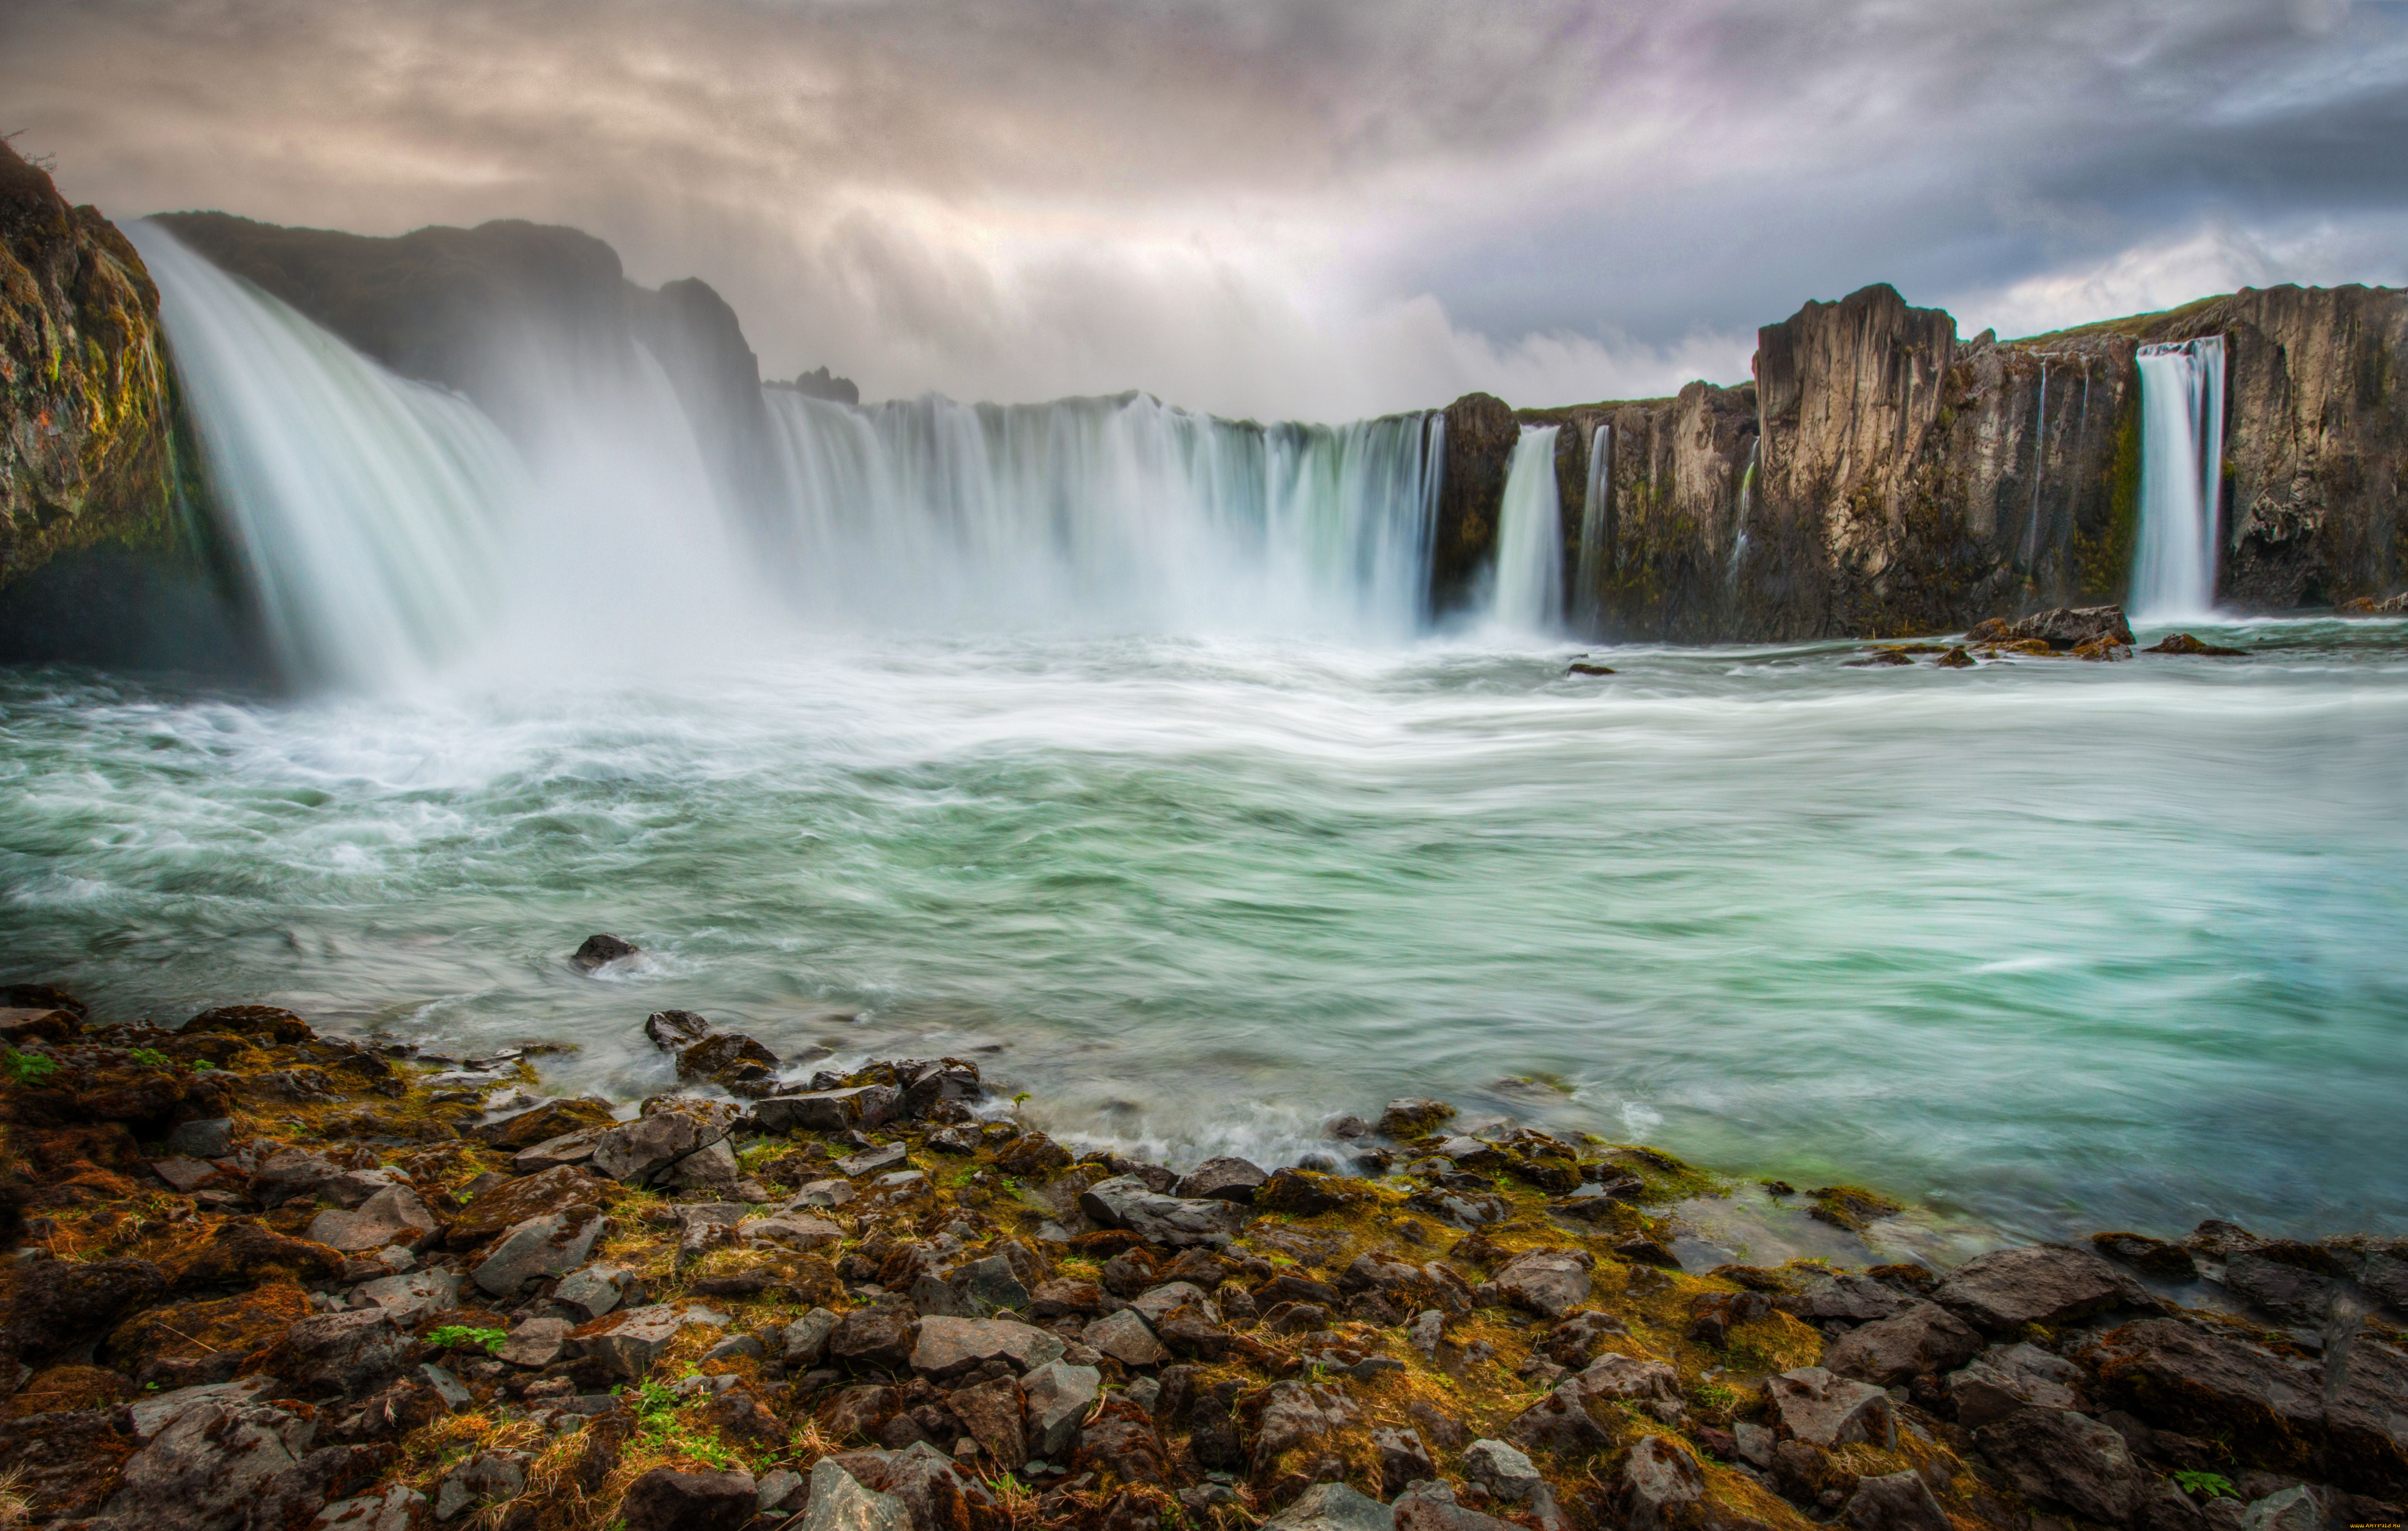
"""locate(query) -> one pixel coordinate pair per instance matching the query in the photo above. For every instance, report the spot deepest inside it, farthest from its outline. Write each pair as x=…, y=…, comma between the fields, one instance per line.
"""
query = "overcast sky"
x=1282, y=208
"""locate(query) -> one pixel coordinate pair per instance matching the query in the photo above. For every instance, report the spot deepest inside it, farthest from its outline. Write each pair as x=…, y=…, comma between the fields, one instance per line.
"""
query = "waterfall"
x=2039, y=451
x=1121, y=513
x=1597, y=499
x=2182, y=478
x=364, y=509
x=1530, y=575
x=1739, y=519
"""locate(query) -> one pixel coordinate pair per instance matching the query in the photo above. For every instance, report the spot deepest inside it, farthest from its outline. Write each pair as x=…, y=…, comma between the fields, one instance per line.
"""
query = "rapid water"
x=1096, y=741
x=2048, y=945
x=1530, y=575
x=2182, y=479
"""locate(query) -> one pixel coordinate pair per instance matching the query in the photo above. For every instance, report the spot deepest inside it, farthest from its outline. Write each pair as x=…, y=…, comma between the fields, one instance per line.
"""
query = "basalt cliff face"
x=1883, y=476
x=94, y=552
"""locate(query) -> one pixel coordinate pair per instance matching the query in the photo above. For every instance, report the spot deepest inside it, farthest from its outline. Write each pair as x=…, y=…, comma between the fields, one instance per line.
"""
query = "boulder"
x=948, y=1347
x=1898, y=1501
x=2212, y=1386
x=537, y=1343
x=674, y=1031
x=569, y=1147
x=665, y=1499
x=211, y=1137
x=858, y=1108
x=1843, y=1295
x=1413, y=1117
x=2007, y=1377
x=732, y=1061
x=2292, y=1292
x=1501, y=1469
x=2061, y=627
x=552, y=1120
x=876, y=1337
x=594, y=1291
x=627, y=1342
x=991, y=1412
x=1056, y=1397
x=598, y=952
x=2153, y=1257
x=1887, y=1352
x=1548, y=1283
x=394, y=1215
x=2050, y=1285
x=932, y=1083
x=638, y=1150
x=1222, y=1179
x=1125, y=1202
x=503, y=1206
x=243, y=1253
x=1813, y=1406
x=1629, y=1379
x=1333, y=1507
x=1657, y=1482
x=553, y=1244
x=711, y=1167
x=338, y=1352
x=290, y=1174
x=839, y=1502
x=1125, y=1338
x=202, y=1472
x=412, y=1295
x=2065, y=1459
x=58, y=1305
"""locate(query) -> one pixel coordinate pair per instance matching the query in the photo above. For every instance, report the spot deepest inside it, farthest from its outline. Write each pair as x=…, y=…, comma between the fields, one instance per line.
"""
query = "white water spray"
x=365, y=509
x=2182, y=479
x=1530, y=537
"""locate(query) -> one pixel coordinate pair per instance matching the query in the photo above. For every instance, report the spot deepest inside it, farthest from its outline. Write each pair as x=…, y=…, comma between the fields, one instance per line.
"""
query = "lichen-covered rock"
x=202, y=1472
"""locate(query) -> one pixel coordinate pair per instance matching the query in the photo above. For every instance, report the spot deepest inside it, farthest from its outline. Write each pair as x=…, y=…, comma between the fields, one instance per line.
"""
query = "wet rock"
x=2050, y=1284
x=1332, y=1507
x=872, y=1338
x=1956, y=659
x=1222, y=1179
x=394, y=1215
x=931, y=1084
x=1813, y=1406
x=1548, y=1283
x=2149, y=1256
x=202, y=1472
x=674, y=1031
x=2289, y=1291
x=597, y=952
x=1878, y=659
x=2183, y=643
x=2011, y=1376
x=569, y=1149
x=256, y=1023
x=1125, y=1338
x=542, y=1124
x=1898, y=1501
x=2212, y=1386
x=665, y=1499
x=1125, y=1202
x=1658, y=1479
x=1841, y=1295
x=854, y=1109
x=1887, y=1352
x=2065, y=1459
x=2062, y=628
x=948, y=1347
x=1413, y=1117
x=1056, y=1397
x=991, y=1412
x=732, y=1061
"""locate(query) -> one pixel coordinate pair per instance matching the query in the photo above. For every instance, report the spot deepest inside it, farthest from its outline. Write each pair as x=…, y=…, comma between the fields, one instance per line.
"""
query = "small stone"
x=537, y=1343
x=552, y=1245
x=875, y=1161
x=393, y=1215
x=1413, y=1117
x=825, y=1194
x=598, y=952
x=806, y=1339
x=413, y=1295
x=185, y=1175
x=594, y=1291
x=1501, y=1469
x=1813, y=1406
x=1057, y=1396
x=211, y=1139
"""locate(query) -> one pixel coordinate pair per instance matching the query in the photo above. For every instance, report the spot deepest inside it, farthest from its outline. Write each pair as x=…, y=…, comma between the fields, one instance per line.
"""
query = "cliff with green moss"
x=1883, y=476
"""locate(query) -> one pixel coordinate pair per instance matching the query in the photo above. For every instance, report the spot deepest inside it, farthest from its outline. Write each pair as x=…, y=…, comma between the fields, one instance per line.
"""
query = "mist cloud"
x=1316, y=208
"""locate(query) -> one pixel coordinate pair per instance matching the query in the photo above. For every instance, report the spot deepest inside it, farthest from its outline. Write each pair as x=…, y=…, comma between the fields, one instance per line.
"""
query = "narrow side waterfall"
x=1597, y=501
x=1117, y=513
x=2182, y=479
x=366, y=509
x=1530, y=537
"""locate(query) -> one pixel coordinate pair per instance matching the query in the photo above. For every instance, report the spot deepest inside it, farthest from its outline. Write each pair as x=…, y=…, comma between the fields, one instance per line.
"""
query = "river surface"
x=2044, y=946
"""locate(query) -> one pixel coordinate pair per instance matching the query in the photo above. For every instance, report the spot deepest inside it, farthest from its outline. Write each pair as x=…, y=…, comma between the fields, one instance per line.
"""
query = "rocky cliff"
x=97, y=558
x=1883, y=476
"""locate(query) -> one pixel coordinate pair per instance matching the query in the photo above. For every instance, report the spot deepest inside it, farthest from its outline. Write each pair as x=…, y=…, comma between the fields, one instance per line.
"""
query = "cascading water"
x=365, y=509
x=1596, y=500
x=1529, y=588
x=2182, y=479
x=1113, y=512
x=1739, y=518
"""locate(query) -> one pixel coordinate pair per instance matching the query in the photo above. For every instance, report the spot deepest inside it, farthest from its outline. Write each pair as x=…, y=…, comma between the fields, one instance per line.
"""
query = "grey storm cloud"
x=1303, y=208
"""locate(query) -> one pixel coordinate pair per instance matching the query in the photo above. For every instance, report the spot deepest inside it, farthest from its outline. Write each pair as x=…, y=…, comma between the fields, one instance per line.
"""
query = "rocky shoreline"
x=265, y=1280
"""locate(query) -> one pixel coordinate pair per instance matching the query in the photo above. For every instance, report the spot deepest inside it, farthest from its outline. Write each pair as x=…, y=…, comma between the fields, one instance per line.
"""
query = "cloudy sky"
x=1298, y=207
